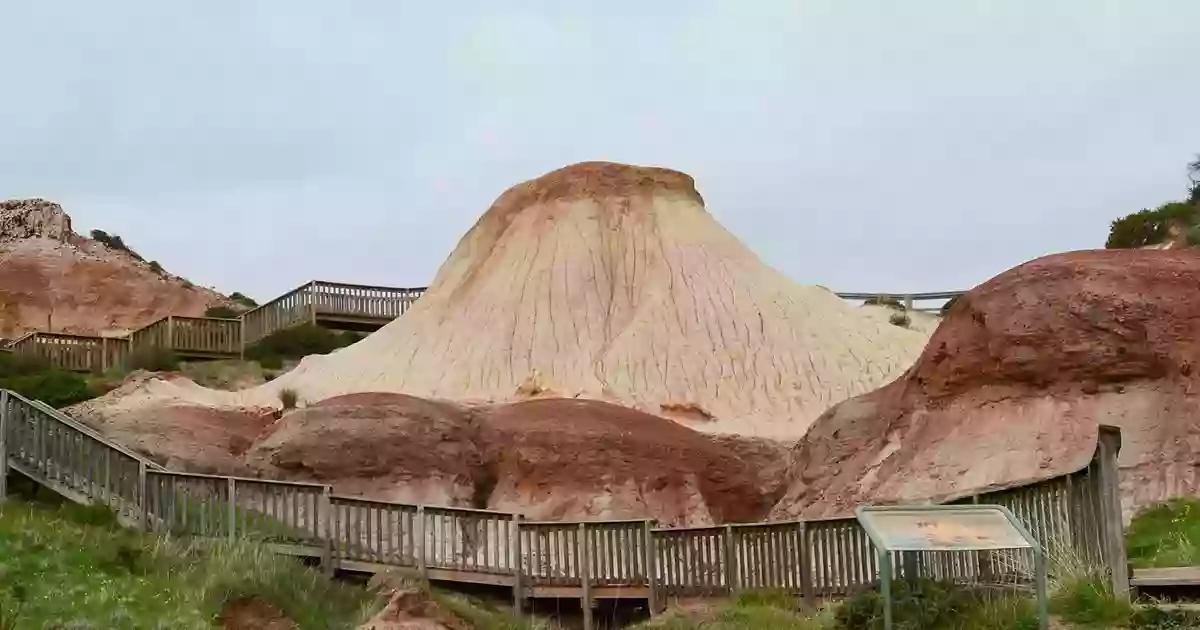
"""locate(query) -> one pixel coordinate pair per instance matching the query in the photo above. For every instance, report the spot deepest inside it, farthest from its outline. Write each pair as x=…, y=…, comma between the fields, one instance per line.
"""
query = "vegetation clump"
x=296, y=343
x=900, y=319
x=113, y=241
x=244, y=300
x=1165, y=535
x=154, y=359
x=1172, y=221
x=221, y=312
x=116, y=578
x=34, y=378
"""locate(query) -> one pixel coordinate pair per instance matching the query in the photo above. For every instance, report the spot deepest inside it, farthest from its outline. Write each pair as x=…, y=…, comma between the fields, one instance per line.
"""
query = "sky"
x=253, y=145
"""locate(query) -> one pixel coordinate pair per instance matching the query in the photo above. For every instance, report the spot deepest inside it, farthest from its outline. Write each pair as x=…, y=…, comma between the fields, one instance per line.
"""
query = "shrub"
x=889, y=302
x=223, y=312
x=113, y=241
x=296, y=342
x=57, y=388
x=900, y=319
x=242, y=299
x=1089, y=601
x=1149, y=227
x=154, y=359
x=288, y=397
x=949, y=305
x=1166, y=534
x=156, y=268
x=928, y=605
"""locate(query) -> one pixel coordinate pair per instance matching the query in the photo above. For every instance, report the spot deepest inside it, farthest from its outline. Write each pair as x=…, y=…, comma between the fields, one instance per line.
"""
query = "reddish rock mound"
x=1014, y=384
x=53, y=278
x=577, y=459
x=548, y=459
x=390, y=447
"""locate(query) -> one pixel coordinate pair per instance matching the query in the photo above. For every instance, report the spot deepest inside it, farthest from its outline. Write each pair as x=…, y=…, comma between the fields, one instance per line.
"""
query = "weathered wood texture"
x=813, y=559
x=77, y=353
x=190, y=337
x=316, y=300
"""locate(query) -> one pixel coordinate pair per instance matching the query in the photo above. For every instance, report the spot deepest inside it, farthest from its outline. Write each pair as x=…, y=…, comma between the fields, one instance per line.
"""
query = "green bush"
x=1166, y=534
x=222, y=312
x=156, y=268
x=929, y=605
x=900, y=319
x=288, y=398
x=57, y=388
x=113, y=241
x=242, y=299
x=296, y=343
x=154, y=359
x=1149, y=227
x=1089, y=601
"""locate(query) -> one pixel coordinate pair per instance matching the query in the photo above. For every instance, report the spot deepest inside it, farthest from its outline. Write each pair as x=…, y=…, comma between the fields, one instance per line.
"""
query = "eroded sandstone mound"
x=613, y=282
x=54, y=279
x=1014, y=383
x=547, y=459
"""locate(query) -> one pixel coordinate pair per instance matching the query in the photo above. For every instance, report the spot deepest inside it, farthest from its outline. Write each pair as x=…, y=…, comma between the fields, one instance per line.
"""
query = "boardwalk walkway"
x=329, y=304
x=814, y=559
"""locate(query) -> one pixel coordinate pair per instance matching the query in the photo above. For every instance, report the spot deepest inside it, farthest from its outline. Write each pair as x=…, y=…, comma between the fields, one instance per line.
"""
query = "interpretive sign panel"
x=948, y=528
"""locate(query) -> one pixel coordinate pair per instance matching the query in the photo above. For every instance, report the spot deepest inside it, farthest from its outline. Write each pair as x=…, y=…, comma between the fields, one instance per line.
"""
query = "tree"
x=1193, y=168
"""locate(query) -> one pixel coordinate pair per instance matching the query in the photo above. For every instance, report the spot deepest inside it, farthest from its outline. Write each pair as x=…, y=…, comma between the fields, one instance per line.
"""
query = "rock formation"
x=54, y=279
x=612, y=282
x=1014, y=384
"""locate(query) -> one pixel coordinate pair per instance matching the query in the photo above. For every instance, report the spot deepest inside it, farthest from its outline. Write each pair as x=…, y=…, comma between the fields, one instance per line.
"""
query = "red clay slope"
x=1014, y=384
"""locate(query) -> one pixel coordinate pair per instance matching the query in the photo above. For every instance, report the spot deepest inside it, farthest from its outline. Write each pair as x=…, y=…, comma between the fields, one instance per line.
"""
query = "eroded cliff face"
x=1014, y=384
x=54, y=279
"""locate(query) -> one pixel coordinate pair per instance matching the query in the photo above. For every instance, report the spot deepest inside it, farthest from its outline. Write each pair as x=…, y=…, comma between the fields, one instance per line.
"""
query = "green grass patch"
x=69, y=566
x=1165, y=535
x=749, y=610
x=930, y=605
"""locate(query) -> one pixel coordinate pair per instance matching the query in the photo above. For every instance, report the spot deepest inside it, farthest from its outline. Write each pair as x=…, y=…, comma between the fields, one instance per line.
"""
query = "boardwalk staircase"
x=588, y=561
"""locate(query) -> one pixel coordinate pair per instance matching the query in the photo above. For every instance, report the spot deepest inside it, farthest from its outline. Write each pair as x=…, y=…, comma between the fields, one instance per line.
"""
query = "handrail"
x=630, y=552
x=916, y=297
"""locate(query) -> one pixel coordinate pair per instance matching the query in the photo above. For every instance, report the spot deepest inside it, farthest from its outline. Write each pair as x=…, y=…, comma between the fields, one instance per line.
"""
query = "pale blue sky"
x=892, y=146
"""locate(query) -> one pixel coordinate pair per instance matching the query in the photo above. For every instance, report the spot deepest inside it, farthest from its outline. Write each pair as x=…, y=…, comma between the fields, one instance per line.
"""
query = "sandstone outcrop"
x=1014, y=383
x=54, y=279
x=548, y=459
x=613, y=282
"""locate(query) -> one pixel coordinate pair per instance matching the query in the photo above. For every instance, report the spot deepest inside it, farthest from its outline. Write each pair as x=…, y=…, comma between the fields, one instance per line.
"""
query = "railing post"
x=517, y=557
x=312, y=302
x=807, y=589
x=731, y=577
x=143, y=494
x=651, y=564
x=585, y=571
x=3, y=444
x=325, y=515
x=1108, y=446
x=421, y=567
x=231, y=516
x=170, y=341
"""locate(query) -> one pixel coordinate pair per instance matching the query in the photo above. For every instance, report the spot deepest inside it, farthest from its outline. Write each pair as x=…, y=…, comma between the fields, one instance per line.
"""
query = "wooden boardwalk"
x=815, y=559
x=329, y=304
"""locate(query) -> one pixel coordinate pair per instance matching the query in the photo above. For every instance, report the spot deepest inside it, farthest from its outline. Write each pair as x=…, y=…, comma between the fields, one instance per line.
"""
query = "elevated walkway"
x=816, y=559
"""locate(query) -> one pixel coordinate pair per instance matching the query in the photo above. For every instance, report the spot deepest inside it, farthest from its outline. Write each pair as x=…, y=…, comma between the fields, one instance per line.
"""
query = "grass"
x=1165, y=535
x=69, y=566
x=749, y=610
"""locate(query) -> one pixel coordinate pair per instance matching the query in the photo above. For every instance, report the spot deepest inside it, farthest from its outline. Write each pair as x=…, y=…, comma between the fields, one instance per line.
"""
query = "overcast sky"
x=878, y=146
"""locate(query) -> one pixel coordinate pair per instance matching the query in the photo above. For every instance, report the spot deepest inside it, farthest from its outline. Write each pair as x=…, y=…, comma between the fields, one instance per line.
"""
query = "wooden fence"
x=203, y=337
x=317, y=299
x=1077, y=514
x=80, y=353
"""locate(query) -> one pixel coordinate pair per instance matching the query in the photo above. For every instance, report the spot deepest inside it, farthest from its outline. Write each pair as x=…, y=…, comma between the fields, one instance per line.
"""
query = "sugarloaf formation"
x=612, y=282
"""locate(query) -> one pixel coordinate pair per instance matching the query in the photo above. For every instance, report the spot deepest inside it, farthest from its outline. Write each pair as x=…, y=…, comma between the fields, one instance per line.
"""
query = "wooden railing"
x=80, y=353
x=310, y=301
x=812, y=559
x=190, y=335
